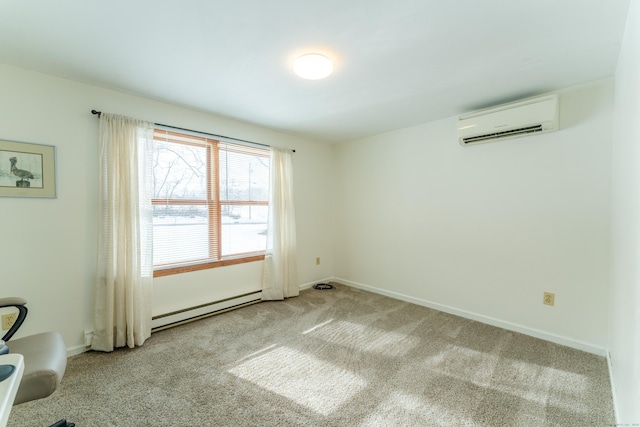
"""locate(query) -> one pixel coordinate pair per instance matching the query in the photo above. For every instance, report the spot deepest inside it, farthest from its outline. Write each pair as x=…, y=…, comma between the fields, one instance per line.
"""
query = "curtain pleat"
x=280, y=277
x=125, y=254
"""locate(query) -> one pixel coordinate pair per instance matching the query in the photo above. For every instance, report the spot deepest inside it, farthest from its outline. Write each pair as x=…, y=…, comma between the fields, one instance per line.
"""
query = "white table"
x=9, y=387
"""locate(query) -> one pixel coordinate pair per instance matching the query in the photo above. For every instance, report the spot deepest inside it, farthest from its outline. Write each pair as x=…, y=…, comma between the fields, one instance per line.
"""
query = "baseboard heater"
x=169, y=320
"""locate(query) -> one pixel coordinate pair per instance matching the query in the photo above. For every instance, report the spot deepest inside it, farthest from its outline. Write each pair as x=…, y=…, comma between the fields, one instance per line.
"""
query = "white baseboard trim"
x=310, y=284
x=547, y=336
x=614, y=395
x=79, y=349
x=74, y=351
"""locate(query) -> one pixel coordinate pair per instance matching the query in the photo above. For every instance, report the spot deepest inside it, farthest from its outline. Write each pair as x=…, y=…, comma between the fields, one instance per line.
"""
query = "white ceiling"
x=397, y=62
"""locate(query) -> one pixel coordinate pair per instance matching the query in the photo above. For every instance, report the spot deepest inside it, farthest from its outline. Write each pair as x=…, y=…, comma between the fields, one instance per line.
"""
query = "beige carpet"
x=341, y=357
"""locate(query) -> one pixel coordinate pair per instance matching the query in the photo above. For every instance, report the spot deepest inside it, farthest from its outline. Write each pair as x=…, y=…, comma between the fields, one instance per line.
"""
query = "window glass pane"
x=180, y=233
x=244, y=229
x=179, y=171
x=194, y=176
x=243, y=176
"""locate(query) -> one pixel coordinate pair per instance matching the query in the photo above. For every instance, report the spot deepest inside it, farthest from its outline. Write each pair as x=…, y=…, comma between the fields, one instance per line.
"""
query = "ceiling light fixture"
x=313, y=66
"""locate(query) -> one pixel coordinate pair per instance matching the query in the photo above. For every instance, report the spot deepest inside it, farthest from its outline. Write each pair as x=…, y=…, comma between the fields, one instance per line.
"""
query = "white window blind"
x=210, y=199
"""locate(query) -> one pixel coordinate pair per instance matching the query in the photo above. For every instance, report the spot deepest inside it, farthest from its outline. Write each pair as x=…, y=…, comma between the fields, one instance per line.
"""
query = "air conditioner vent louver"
x=535, y=115
x=504, y=134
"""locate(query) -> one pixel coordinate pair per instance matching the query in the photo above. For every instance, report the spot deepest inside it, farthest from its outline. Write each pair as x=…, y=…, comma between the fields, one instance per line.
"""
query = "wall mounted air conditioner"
x=530, y=116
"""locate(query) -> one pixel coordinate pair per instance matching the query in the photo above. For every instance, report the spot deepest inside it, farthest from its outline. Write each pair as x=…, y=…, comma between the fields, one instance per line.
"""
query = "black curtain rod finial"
x=96, y=113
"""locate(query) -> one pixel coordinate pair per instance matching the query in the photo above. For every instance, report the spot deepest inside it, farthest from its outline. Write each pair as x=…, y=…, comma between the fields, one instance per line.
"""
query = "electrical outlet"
x=318, y=261
x=549, y=298
x=8, y=320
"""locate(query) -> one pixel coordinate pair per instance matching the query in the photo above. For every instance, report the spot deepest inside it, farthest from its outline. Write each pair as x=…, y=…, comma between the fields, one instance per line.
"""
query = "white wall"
x=48, y=246
x=484, y=230
x=625, y=309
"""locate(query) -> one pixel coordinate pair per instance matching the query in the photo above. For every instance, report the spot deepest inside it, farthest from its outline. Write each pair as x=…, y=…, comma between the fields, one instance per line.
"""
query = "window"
x=210, y=202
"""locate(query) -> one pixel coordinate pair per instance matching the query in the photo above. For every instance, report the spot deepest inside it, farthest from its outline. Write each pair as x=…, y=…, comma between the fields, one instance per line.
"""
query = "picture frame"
x=27, y=170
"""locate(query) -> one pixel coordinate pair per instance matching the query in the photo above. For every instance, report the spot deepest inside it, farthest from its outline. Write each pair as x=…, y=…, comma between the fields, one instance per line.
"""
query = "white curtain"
x=280, y=278
x=125, y=252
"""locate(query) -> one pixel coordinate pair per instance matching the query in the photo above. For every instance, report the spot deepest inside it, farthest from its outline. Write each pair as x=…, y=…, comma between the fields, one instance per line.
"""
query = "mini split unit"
x=530, y=116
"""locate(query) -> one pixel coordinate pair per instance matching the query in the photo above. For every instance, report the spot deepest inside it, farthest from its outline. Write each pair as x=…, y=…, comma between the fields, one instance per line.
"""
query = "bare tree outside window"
x=210, y=199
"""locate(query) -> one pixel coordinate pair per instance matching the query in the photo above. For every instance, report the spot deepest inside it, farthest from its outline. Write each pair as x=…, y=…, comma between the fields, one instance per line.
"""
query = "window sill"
x=205, y=266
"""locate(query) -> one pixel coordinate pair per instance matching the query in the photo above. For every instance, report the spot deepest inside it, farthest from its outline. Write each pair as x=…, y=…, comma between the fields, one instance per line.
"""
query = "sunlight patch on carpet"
x=302, y=378
x=570, y=388
x=465, y=364
x=525, y=380
x=254, y=354
x=317, y=327
x=366, y=338
x=402, y=408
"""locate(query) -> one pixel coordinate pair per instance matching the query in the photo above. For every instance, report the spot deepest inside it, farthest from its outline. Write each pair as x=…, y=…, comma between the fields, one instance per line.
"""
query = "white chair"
x=45, y=358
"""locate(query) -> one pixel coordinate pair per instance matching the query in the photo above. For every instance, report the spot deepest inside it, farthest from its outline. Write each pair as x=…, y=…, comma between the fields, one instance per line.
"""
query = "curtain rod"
x=98, y=113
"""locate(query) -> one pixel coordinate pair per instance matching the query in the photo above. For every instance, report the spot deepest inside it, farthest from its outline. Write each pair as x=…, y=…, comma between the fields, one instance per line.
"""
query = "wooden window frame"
x=214, y=204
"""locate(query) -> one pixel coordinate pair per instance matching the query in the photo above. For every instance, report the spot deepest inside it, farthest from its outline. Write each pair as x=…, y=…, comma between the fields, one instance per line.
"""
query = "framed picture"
x=27, y=170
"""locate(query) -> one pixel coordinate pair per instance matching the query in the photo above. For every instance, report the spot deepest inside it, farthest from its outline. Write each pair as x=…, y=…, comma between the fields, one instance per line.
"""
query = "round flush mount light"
x=313, y=66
